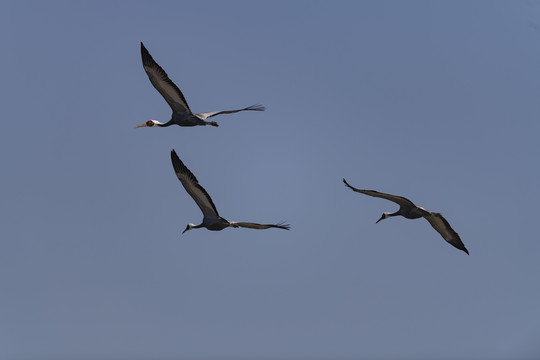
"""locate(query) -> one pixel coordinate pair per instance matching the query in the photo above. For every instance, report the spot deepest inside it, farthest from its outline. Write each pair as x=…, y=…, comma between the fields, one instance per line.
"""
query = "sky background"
x=435, y=101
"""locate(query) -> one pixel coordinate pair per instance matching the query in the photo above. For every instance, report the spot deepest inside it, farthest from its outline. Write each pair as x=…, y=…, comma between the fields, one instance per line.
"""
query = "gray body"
x=411, y=212
x=186, y=119
x=214, y=223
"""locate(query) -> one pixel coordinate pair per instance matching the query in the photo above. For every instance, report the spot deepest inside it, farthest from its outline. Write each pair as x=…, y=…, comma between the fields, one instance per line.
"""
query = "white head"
x=150, y=123
x=188, y=227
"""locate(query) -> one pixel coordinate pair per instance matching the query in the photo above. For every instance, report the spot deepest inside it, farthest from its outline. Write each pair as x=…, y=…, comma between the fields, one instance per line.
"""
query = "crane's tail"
x=213, y=123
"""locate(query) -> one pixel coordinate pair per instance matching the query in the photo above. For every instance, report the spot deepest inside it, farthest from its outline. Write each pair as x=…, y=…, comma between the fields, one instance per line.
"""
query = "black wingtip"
x=462, y=248
x=177, y=163
x=283, y=225
x=256, y=107
x=145, y=54
x=179, y=166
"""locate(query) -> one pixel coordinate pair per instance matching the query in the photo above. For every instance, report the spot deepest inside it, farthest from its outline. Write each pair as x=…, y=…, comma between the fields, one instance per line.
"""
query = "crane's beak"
x=186, y=229
x=382, y=217
x=142, y=125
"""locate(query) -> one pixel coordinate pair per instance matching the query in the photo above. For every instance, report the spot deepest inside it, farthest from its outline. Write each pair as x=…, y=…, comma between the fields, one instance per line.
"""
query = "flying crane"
x=408, y=210
x=211, y=218
x=181, y=113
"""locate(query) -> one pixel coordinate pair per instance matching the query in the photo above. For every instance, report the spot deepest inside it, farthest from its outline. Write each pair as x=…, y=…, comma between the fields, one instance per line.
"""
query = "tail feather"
x=213, y=123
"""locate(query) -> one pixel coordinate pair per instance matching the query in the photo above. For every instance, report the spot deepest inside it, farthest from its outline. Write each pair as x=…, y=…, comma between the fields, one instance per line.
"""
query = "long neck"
x=168, y=123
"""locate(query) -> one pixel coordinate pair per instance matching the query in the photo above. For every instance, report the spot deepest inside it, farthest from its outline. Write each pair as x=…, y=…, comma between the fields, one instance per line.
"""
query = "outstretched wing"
x=206, y=115
x=259, y=226
x=158, y=77
x=442, y=226
x=196, y=191
x=400, y=200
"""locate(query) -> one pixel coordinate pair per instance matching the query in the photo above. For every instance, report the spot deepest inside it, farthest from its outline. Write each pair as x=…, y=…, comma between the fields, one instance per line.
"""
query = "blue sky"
x=435, y=101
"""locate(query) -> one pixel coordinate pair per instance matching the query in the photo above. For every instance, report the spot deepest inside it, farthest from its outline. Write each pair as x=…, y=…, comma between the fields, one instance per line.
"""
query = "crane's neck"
x=168, y=123
x=386, y=215
x=191, y=226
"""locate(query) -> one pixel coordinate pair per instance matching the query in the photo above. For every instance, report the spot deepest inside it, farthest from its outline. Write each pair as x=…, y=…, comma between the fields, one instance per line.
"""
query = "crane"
x=409, y=210
x=181, y=113
x=211, y=219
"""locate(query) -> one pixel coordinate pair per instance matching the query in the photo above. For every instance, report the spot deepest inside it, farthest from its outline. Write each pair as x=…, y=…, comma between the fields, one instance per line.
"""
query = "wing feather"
x=206, y=115
x=191, y=184
x=439, y=223
x=260, y=226
x=159, y=78
x=400, y=200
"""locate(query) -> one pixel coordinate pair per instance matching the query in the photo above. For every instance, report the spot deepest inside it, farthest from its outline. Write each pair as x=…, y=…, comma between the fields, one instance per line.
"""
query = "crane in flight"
x=181, y=113
x=408, y=210
x=211, y=218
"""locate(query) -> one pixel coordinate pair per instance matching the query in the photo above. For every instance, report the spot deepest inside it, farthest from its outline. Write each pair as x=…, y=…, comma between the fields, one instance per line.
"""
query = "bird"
x=181, y=113
x=409, y=210
x=211, y=219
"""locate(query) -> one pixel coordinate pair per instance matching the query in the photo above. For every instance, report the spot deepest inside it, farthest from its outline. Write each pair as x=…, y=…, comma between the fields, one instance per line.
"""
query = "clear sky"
x=437, y=101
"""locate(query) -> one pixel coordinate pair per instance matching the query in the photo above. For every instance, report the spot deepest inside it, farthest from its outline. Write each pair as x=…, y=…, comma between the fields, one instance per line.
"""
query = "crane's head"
x=385, y=215
x=150, y=123
x=188, y=227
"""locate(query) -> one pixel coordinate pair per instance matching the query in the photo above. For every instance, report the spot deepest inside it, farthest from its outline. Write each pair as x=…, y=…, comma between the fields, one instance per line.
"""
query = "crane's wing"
x=206, y=115
x=158, y=77
x=442, y=226
x=259, y=226
x=400, y=200
x=196, y=191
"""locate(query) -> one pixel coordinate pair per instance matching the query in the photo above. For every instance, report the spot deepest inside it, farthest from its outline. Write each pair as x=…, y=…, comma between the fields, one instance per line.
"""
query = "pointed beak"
x=382, y=217
x=142, y=125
